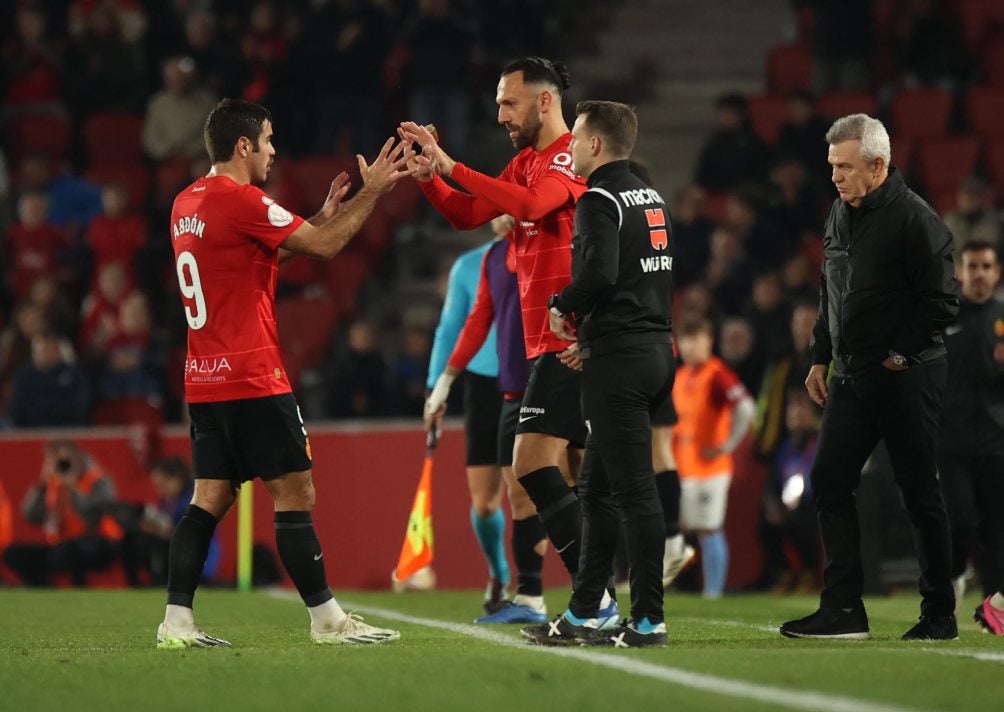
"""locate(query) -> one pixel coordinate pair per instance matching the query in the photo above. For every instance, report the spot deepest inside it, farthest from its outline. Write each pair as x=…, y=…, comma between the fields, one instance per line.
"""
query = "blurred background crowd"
x=103, y=103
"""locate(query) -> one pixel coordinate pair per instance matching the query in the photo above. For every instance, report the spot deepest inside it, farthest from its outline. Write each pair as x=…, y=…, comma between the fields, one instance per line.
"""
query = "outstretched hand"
x=339, y=187
x=390, y=166
x=433, y=157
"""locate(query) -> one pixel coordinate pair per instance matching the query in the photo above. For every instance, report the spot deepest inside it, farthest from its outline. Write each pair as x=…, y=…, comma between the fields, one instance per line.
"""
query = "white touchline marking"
x=797, y=699
x=983, y=655
x=729, y=624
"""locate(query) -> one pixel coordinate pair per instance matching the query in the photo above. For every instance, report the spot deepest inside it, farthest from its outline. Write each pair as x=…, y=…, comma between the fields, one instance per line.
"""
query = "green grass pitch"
x=94, y=650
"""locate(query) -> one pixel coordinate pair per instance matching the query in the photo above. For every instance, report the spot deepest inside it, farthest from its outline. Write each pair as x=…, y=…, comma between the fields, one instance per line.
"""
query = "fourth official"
x=618, y=305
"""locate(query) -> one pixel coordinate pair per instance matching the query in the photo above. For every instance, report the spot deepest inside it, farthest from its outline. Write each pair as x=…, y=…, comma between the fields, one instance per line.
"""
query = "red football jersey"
x=544, y=246
x=226, y=245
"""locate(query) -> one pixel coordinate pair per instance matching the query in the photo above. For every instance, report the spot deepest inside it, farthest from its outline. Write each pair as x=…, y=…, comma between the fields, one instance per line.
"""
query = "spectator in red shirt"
x=34, y=245
x=115, y=236
x=32, y=67
x=100, y=311
x=125, y=363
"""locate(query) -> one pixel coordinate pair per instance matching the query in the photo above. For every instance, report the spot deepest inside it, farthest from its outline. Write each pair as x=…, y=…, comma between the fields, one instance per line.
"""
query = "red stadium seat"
x=311, y=179
x=113, y=138
x=995, y=163
x=345, y=275
x=135, y=179
x=305, y=327
x=789, y=66
x=921, y=113
x=835, y=104
x=902, y=154
x=982, y=21
x=985, y=109
x=402, y=203
x=993, y=65
x=943, y=201
x=768, y=112
x=50, y=135
x=169, y=178
x=945, y=162
x=714, y=206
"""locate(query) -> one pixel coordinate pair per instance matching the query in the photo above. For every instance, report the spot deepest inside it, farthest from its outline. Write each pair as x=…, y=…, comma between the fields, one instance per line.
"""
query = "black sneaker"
x=560, y=631
x=934, y=628
x=841, y=623
x=633, y=635
x=495, y=597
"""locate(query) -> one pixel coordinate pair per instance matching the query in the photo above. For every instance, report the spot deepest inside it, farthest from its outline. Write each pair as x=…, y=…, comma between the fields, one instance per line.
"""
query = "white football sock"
x=674, y=545
x=605, y=601
x=326, y=617
x=179, y=616
x=997, y=601
x=534, y=602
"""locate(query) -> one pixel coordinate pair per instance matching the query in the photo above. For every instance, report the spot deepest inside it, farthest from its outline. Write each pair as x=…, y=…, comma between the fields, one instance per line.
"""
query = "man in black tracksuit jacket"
x=620, y=298
x=888, y=292
x=971, y=431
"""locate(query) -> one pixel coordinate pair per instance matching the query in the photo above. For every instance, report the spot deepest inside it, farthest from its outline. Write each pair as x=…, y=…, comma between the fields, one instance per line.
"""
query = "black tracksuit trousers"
x=901, y=408
x=620, y=391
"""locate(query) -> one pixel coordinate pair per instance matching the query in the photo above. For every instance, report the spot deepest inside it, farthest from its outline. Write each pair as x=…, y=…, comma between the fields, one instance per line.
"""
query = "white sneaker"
x=354, y=632
x=674, y=564
x=173, y=638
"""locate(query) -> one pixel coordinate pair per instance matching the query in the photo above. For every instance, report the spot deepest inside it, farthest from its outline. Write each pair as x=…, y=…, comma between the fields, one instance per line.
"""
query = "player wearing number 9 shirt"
x=228, y=239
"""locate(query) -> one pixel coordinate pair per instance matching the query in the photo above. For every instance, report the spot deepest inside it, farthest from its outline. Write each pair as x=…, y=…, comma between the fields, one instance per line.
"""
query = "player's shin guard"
x=187, y=554
x=300, y=552
x=526, y=535
x=559, y=511
x=668, y=484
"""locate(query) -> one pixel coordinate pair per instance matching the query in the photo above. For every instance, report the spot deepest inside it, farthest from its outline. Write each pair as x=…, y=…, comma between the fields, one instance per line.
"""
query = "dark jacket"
x=972, y=409
x=888, y=281
x=622, y=261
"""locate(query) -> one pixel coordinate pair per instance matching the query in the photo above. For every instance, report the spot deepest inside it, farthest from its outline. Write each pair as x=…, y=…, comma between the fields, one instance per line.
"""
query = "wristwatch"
x=898, y=359
x=554, y=309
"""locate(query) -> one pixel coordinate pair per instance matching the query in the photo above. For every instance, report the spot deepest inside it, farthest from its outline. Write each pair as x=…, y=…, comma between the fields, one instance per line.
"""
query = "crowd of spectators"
x=103, y=103
x=748, y=229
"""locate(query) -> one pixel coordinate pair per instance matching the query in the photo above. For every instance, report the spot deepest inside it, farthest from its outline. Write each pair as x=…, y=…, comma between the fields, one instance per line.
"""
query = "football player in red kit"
x=228, y=239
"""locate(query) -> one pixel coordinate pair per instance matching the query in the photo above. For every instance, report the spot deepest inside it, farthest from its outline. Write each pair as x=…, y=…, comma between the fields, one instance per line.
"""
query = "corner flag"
x=416, y=551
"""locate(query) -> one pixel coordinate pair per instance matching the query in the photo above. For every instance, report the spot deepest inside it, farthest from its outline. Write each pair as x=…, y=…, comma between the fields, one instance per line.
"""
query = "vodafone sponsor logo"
x=562, y=162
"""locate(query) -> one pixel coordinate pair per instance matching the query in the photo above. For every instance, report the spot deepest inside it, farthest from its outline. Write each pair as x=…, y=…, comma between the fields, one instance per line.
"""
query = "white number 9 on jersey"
x=191, y=288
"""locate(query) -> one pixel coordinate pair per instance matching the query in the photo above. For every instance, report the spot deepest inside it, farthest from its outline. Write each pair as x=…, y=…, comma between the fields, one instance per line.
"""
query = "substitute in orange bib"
x=715, y=413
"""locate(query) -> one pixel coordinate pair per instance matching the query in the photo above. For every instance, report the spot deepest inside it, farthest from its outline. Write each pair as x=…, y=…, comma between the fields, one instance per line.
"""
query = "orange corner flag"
x=416, y=551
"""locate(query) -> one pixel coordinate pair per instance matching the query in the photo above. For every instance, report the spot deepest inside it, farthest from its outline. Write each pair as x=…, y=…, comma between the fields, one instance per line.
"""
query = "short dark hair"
x=978, y=246
x=616, y=122
x=231, y=120
x=537, y=70
x=693, y=327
